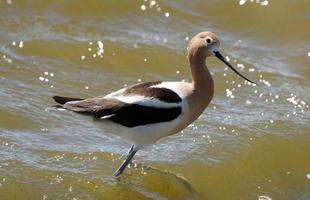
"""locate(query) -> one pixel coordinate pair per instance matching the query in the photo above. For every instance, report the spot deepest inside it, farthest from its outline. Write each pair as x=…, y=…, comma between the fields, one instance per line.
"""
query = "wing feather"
x=133, y=106
x=97, y=107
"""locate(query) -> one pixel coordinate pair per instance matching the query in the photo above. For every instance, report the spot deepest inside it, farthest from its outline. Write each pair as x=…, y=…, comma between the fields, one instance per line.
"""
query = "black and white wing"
x=136, y=105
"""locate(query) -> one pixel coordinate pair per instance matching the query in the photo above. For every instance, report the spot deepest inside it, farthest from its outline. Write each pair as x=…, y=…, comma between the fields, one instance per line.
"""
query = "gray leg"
x=130, y=155
x=131, y=149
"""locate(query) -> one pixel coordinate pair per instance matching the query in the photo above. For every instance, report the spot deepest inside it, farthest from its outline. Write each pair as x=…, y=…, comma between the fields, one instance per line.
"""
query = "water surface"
x=251, y=142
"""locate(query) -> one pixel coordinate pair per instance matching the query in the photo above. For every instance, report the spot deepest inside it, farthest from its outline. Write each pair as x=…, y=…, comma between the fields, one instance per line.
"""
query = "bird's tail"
x=63, y=100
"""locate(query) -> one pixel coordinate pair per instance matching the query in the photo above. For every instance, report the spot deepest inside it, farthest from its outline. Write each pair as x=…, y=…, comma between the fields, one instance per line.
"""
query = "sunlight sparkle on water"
x=229, y=94
x=100, y=50
x=228, y=59
x=56, y=180
x=264, y=3
x=251, y=70
x=152, y=3
x=299, y=105
x=70, y=188
x=9, y=1
x=21, y=44
x=261, y=2
x=242, y=2
x=135, y=46
x=241, y=66
x=142, y=7
x=45, y=78
x=267, y=83
x=263, y=197
x=7, y=59
x=248, y=102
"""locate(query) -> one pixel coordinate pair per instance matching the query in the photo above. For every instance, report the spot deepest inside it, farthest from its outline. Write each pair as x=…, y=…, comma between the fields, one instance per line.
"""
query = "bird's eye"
x=209, y=40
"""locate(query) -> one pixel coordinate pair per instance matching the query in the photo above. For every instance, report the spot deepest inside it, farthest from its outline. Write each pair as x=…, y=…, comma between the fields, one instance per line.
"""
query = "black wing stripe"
x=167, y=95
x=132, y=115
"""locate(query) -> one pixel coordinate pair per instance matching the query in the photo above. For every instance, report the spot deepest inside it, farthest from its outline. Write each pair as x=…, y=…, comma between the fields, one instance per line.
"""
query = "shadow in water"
x=157, y=184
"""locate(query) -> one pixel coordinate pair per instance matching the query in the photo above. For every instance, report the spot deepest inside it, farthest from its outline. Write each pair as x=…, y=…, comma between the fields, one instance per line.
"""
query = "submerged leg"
x=130, y=155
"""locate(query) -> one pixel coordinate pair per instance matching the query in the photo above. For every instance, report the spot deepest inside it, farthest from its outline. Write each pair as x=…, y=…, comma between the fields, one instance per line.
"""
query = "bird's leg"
x=131, y=149
x=123, y=166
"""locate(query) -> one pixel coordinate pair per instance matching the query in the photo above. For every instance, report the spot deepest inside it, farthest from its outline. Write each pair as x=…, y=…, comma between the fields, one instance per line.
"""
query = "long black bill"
x=219, y=56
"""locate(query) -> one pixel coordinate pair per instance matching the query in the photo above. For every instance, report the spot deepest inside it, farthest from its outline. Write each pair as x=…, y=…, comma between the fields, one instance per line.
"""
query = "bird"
x=146, y=112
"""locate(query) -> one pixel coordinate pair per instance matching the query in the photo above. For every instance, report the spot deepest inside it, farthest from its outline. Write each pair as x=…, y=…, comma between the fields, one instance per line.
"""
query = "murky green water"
x=251, y=142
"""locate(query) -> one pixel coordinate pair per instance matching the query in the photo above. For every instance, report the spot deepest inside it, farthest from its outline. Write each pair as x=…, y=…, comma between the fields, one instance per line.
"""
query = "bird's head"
x=207, y=44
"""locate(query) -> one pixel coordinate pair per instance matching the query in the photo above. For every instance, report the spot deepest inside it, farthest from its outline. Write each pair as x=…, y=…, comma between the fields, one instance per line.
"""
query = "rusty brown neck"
x=201, y=78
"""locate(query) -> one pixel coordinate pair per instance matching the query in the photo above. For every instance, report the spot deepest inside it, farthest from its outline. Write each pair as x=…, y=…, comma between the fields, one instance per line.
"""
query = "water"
x=251, y=142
